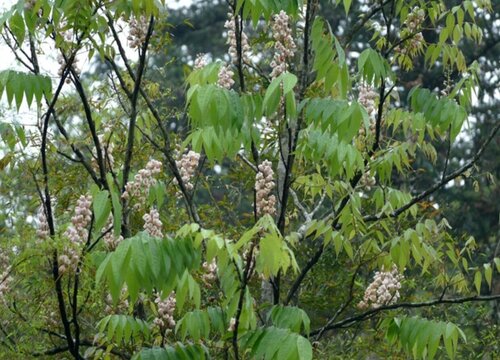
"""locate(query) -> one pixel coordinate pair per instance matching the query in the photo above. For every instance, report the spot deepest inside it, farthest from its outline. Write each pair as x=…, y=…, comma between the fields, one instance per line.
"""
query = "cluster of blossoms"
x=166, y=307
x=412, y=46
x=384, y=289
x=210, y=272
x=200, y=61
x=62, y=66
x=264, y=185
x=137, y=32
x=225, y=77
x=42, y=231
x=415, y=19
x=121, y=307
x=152, y=223
x=413, y=23
x=230, y=25
x=5, y=278
x=367, y=181
x=77, y=234
x=143, y=180
x=367, y=97
x=232, y=324
x=110, y=240
x=187, y=165
x=284, y=45
x=29, y=4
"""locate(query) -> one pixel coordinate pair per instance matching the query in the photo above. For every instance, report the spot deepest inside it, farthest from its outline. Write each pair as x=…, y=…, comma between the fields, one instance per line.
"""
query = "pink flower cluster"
x=284, y=45
x=200, y=61
x=264, y=185
x=110, y=240
x=143, y=180
x=137, y=32
x=210, y=274
x=42, y=231
x=367, y=97
x=231, y=40
x=5, y=278
x=121, y=307
x=415, y=19
x=166, y=307
x=411, y=46
x=225, y=77
x=152, y=223
x=384, y=289
x=187, y=165
x=77, y=234
x=413, y=23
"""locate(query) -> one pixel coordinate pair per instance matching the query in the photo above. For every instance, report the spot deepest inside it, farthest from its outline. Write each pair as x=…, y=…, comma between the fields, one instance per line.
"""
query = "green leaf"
x=421, y=337
x=178, y=351
x=102, y=208
x=124, y=328
x=488, y=273
x=304, y=348
x=477, y=281
x=290, y=317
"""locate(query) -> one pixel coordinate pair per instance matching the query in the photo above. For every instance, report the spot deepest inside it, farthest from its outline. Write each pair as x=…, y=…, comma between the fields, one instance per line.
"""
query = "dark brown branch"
x=133, y=114
x=370, y=313
x=417, y=198
x=91, y=123
x=362, y=21
x=133, y=100
x=244, y=283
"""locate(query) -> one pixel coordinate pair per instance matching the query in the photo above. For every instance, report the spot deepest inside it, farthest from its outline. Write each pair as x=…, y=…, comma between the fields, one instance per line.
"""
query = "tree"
x=141, y=249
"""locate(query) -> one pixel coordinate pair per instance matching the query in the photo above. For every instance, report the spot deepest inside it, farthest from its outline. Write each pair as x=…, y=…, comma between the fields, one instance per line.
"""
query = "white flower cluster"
x=110, y=240
x=152, y=223
x=67, y=34
x=187, y=165
x=42, y=231
x=77, y=234
x=210, y=273
x=264, y=185
x=415, y=19
x=143, y=180
x=231, y=40
x=137, y=32
x=5, y=278
x=284, y=45
x=367, y=181
x=200, y=62
x=384, y=289
x=232, y=324
x=62, y=63
x=367, y=97
x=225, y=77
x=166, y=307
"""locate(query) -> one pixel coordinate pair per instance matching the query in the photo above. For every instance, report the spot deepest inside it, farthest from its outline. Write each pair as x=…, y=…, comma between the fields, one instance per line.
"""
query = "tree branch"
x=417, y=198
x=370, y=313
